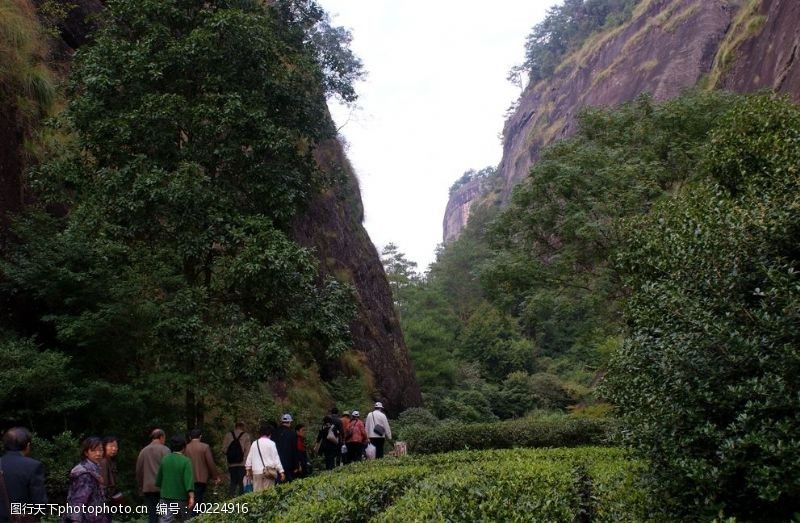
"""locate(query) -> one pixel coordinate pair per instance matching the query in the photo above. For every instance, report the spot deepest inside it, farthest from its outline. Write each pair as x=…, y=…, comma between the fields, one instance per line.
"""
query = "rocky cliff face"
x=770, y=57
x=332, y=226
x=667, y=46
x=458, y=207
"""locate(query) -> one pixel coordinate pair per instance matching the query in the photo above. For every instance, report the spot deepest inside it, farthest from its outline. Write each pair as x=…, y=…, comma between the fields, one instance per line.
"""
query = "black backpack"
x=235, y=453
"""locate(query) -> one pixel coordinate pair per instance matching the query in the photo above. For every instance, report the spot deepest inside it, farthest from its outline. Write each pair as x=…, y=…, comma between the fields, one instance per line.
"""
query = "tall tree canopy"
x=156, y=269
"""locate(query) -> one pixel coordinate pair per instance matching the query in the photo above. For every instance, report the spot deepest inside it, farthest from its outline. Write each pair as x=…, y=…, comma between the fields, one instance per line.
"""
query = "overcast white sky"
x=432, y=105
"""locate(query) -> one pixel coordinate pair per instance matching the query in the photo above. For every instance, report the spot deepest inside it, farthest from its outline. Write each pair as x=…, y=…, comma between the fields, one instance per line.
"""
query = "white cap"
x=286, y=418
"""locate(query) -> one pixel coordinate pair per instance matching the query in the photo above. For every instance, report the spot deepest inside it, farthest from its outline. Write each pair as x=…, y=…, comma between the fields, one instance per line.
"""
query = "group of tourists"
x=92, y=482
x=173, y=478
x=279, y=454
x=346, y=438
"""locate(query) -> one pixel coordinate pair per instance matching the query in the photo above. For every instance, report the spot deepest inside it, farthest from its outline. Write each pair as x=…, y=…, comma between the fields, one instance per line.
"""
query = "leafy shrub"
x=564, y=432
x=418, y=416
x=707, y=382
x=58, y=454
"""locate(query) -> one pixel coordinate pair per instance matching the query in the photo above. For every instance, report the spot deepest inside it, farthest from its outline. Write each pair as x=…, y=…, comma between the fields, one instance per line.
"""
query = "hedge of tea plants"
x=579, y=484
x=565, y=431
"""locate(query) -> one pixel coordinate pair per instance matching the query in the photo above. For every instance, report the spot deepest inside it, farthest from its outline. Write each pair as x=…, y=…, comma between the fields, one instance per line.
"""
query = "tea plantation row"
x=578, y=484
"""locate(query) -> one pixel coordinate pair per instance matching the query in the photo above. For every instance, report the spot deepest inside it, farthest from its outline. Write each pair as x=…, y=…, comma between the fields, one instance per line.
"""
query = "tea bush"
x=576, y=484
x=558, y=432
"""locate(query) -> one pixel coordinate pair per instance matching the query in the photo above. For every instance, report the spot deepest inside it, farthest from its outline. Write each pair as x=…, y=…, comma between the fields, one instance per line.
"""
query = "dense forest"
x=152, y=279
x=654, y=252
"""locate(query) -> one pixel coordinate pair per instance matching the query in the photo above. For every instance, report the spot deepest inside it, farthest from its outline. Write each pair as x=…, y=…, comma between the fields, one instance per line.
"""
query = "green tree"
x=707, y=380
x=401, y=273
x=553, y=247
x=330, y=45
x=491, y=339
x=430, y=328
x=195, y=126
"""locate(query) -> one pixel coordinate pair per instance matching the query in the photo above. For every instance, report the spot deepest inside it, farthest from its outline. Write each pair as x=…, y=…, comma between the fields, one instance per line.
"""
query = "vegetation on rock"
x=155, y=275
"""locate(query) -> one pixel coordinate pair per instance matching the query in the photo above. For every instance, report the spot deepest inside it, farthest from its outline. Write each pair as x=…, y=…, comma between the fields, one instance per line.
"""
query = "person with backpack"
x=236, y=446
x=356, y=438
x=378, y=429
x=329, y=441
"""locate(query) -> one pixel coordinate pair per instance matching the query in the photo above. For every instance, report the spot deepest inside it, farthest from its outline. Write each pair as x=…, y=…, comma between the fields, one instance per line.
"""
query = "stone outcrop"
x=666, y=47
x=458, y=208
x=770, y=58
x=332, y=226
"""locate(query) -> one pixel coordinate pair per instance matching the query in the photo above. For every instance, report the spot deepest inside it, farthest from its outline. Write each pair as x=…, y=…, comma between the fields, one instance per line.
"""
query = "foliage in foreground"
x=707, y=380
x=506, y=485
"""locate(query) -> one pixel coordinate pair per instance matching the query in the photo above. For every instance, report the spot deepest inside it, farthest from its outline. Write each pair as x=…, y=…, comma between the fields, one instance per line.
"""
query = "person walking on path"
x=202, y=464
x=263, y=465
x=356, y=438
x=345, y=419
x=285, y=439
x=305, y=468
x=146, y=470
x=86, y=486
x=378, y=429
x=336, y=419
x=236, y=447
x=175, y=480
x=21, y=477
x=329, y=441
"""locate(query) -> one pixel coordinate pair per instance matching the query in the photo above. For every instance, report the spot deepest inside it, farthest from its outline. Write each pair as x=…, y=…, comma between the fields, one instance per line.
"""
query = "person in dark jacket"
x=86, y=485
x=108, y=471
x=330, y=449
x=285, y=439
x=336, y=419
x=23, y=477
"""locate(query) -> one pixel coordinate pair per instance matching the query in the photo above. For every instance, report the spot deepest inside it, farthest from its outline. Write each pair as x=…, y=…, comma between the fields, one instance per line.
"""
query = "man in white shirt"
x=378, y=429
x=263, y=465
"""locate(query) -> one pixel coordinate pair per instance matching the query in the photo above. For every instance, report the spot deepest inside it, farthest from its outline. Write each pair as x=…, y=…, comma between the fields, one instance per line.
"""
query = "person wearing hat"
x=285, y=439
x=378, y=429
x=356, y=437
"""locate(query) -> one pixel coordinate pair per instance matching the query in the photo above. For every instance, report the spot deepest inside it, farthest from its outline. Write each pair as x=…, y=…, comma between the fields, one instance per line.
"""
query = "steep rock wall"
x=332, y=227
x=666, y=47
x=458, y=208
x=769, y=58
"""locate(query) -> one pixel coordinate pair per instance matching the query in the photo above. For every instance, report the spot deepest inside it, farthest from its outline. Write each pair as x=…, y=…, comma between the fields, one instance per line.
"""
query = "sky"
x=431, y=107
